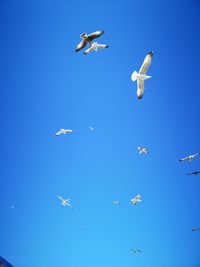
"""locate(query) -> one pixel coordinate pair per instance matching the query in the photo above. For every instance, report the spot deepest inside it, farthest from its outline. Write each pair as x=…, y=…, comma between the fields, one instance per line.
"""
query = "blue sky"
x=46, y=86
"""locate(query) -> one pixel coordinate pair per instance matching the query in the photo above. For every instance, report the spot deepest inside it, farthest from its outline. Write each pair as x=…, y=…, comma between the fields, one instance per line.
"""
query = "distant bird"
x=142, y=150
x=65, y=202
x=86, y=39
x=95, y=46
x=135, y=250
x=193, y=173
x=141, y=76
x=91, y=128
x=136, y=199
x=63, y=131
x=190, y=158
x=83, y=227
x=116, y=202
x=196, y=229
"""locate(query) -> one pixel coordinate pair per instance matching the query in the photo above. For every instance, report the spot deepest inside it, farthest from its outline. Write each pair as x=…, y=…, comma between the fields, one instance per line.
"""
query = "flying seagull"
x=135, y=250
x=95, y=46
x=142, y=150
x=116, y=202
x=136, y=199
x=194, y=173
x=86, y=39
x=190, y=158
x=195, y=229
x=65, y=202
x=63, y=131
x=141, y=76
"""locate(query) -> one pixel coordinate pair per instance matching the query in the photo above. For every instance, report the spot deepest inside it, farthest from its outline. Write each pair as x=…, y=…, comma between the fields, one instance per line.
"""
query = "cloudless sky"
x=45, y=86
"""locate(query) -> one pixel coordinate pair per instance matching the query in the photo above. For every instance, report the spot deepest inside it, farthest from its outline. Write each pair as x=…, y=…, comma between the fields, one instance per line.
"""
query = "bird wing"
x=146, y=63
x=140, y=86
x=60, y=198
x=88, y=50
x=68, y=204
x=94, y=35
x=186, y=158
x=195, y=155
x=81, y=45
x=58, y=133
x=68, y=131
x=102, y=46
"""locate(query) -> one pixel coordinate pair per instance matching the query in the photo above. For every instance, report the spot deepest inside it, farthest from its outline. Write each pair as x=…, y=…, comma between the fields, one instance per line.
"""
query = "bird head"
x=83, y=35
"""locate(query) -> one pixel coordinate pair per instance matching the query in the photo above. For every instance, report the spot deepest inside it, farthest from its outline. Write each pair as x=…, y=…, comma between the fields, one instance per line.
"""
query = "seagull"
x=190, y=158
x=95, y=46
x=63, y=131
x=86, y=39
x=143, y=150
x=136, y=199
x=194, y=173
x=141, y=76
x=116, y=202
x=91, y=128
x=65, y=202
x=135, y=250
x=195, y=229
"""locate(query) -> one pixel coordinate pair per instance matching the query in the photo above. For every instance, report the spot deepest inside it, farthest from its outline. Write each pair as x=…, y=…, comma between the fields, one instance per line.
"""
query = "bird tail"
x=134, y=76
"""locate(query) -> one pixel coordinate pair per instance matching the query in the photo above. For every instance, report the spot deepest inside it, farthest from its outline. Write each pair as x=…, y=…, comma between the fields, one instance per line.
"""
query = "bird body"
x=190, y=158
x=63, y=131
x=91, y=128
x=65, y=202
x=137, y=76
x=141, y=76
x=136, y=199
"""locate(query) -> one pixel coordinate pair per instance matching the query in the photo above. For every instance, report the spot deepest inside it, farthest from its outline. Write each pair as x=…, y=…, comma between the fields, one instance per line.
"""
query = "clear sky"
x=45, y=86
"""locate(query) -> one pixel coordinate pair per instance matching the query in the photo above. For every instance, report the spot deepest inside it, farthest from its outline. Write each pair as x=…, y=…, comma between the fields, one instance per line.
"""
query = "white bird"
x=135, y=250
x=141, y=76
x=63, y=131
x=116, y=202
x=136, y=199
x=142, y=150
x=65, y=202
x=91, y=128
x=95, y=46
x=190, y=158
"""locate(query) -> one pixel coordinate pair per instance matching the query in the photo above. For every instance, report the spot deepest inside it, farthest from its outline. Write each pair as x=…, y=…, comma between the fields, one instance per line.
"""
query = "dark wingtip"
x=107, y=46
x=150, y=53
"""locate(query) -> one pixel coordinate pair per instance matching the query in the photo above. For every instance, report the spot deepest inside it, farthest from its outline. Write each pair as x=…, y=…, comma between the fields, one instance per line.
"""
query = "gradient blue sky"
x=45, y=85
